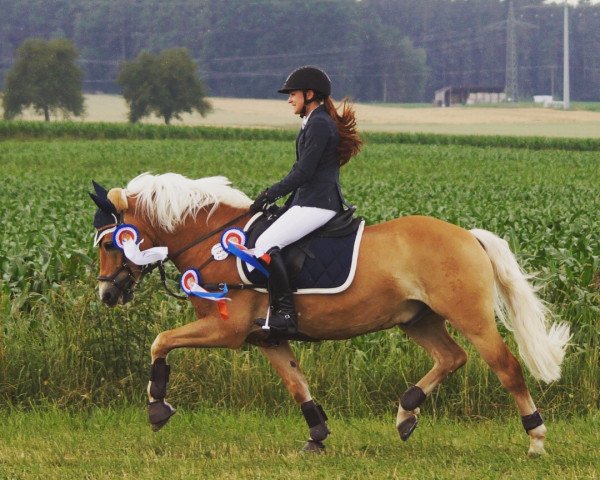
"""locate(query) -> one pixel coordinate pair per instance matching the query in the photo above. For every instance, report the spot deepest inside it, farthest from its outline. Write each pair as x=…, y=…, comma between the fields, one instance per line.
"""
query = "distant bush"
x=111, y=131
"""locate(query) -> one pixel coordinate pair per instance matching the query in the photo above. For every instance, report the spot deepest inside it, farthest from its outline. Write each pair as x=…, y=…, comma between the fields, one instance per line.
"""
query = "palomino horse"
x=434, y=272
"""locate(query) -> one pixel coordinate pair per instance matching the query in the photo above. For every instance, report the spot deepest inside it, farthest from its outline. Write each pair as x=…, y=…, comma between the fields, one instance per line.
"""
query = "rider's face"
x=296, y=100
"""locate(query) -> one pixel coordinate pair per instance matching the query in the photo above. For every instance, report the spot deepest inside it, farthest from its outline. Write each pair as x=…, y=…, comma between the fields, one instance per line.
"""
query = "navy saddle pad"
x=322, y=262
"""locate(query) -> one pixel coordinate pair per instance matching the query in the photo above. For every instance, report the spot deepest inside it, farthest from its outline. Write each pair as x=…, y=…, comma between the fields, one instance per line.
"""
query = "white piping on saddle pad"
x=306, y=291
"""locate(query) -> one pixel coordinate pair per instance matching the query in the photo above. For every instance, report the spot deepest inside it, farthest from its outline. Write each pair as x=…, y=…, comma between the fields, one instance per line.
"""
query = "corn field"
x=60, y=345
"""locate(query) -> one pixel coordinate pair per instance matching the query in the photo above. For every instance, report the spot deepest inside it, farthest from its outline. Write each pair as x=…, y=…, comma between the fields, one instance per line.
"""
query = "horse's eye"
x=109, y=246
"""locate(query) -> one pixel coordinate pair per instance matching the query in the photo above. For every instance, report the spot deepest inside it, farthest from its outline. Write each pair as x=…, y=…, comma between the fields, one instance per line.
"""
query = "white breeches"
x=294, y=224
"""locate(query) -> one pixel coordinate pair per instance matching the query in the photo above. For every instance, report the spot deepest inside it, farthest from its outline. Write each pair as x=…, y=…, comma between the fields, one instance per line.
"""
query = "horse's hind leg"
x=283, y=360
x=430, y=333
x=488, y=342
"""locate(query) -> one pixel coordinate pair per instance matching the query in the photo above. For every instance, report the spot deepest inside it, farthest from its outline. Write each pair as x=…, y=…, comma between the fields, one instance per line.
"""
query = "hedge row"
x=29, y=130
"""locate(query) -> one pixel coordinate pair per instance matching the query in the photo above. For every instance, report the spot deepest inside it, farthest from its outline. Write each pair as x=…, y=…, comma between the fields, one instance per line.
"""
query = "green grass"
x=591, y=106
x=544, y=202
x=29, y=130
x=215, y=444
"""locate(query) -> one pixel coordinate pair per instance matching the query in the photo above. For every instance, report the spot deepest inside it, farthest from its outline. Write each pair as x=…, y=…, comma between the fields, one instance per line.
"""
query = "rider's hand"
x=261, y=203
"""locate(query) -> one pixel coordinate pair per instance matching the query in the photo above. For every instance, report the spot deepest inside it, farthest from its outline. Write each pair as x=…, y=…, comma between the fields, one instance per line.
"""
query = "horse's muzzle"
x=118, y=287
x=112, y=296
x=109, y=295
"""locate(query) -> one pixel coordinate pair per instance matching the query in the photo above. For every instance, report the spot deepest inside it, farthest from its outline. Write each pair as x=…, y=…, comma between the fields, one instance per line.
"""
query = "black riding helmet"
x=308, y=78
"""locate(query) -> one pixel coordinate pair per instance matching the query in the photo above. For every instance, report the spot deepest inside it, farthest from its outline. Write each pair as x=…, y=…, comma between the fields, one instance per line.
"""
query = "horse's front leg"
x=284, y=361
x=208, y=332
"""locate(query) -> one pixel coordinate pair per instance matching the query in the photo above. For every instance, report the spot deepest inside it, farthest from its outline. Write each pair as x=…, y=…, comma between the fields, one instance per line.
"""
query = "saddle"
x=322, y=262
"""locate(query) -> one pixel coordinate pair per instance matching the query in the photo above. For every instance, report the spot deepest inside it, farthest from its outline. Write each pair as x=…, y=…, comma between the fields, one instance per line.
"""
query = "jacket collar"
x=305, y=119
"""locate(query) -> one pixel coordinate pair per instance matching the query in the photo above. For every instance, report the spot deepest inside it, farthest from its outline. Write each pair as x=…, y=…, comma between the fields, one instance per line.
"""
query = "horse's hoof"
x=318, y=433
x=407, y=427
x=536, y=453
x=314, y=446
x=159, y=413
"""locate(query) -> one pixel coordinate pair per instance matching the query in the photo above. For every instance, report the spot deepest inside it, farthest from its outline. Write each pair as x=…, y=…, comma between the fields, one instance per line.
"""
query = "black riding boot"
x=282, y=313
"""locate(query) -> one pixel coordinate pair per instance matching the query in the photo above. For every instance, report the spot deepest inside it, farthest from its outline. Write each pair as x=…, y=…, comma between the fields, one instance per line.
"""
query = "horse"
x=434, y=273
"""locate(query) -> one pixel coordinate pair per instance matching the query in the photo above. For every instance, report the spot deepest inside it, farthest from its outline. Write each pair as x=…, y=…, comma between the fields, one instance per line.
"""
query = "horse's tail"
x=518, y=307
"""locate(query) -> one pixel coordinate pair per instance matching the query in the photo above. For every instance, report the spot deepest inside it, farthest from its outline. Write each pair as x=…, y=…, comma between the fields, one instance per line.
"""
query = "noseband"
x=126, y=284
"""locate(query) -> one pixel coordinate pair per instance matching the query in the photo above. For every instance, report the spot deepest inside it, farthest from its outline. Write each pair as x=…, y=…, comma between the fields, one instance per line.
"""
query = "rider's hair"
x=350, y=141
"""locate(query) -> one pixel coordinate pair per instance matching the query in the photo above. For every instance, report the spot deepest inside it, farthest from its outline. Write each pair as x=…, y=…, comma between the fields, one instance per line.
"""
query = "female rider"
x=326, y=141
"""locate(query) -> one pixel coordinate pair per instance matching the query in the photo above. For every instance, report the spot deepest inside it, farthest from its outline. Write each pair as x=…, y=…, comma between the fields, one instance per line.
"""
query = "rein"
x=206, y=236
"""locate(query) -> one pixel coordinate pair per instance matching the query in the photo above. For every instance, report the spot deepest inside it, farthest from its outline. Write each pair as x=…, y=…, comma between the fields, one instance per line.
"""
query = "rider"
x=326, y=141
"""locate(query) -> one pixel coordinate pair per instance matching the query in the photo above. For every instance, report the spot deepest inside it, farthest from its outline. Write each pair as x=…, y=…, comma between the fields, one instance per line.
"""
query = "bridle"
x=126, y=284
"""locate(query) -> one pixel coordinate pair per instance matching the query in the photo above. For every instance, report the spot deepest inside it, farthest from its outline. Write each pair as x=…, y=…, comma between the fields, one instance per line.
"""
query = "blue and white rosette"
x=233, y=241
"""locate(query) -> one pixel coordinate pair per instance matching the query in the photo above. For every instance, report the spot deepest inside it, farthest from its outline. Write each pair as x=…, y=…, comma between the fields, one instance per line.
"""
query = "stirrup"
x=285, y=323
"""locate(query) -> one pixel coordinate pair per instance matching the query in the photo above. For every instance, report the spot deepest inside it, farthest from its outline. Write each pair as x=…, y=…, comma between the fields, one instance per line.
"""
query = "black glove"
x=261, y=202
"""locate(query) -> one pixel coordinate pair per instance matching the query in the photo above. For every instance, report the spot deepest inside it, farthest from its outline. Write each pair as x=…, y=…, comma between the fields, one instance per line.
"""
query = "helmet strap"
x=306, y=102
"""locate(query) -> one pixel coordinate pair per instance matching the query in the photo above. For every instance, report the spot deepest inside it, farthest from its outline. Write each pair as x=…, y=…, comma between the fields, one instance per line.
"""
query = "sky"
x=570, y=2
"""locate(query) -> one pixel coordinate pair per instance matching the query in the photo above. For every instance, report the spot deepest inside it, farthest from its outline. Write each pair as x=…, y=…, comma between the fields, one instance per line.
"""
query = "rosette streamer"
x=190, y=284
x=125, y=237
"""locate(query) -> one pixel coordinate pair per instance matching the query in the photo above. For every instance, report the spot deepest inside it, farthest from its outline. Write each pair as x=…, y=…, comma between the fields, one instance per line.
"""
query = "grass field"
x=543, y=202
x=109, y=444
x=520, y=120
x=71, y=370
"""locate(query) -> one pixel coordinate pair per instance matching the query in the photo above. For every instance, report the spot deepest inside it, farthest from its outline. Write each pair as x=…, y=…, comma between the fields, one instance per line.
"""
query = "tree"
x=166, y=85
x=391, y=68
x=46, y=78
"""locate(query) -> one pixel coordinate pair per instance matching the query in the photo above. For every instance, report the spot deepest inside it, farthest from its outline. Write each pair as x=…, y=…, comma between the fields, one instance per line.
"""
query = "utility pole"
x=511, y=85
x=566, y=80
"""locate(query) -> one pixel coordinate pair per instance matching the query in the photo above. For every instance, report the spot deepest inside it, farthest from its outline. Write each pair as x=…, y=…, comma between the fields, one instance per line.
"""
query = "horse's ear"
x=103, y=204
x=100, y=190
x=118, y=198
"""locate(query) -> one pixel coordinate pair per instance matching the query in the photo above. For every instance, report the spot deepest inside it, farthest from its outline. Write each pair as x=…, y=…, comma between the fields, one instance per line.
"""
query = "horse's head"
x=118, y=276
x=152, y=207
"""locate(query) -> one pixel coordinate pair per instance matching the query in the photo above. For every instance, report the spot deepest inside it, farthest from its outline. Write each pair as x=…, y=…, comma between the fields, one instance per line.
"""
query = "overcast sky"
x=570, y=2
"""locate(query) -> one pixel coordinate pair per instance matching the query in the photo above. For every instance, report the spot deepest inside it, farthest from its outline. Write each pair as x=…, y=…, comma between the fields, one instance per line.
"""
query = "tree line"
x=46, y=78
x=375, y=50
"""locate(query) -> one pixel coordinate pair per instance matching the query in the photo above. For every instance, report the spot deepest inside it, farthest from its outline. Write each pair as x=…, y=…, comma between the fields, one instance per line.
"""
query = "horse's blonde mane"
x=168, y=199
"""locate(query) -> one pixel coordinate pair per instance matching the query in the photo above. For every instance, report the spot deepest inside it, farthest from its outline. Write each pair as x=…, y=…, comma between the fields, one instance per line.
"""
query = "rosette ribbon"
x=125, y=237
x=190, y=284
x=233, y=241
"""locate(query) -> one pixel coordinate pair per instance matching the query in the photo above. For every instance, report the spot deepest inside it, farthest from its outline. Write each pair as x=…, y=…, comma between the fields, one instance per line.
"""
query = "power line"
x=511, y=85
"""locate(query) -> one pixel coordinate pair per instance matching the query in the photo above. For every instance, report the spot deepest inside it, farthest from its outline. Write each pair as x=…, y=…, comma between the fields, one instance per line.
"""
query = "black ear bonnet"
x=106, y=214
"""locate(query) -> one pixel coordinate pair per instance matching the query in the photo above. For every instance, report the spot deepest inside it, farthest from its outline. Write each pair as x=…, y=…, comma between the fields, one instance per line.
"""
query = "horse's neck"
x=196, y=228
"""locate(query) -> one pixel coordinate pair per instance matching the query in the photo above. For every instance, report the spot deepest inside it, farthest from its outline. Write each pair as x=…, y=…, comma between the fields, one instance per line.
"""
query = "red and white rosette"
x=190, y=278
x=233, y=235
x=125, y=237
x=234, y=242
x=190, y=284
x=125, y=233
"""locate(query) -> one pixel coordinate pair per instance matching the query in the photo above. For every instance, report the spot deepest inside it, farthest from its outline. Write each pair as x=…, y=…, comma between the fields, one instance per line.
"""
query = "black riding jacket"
x=315, y=176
